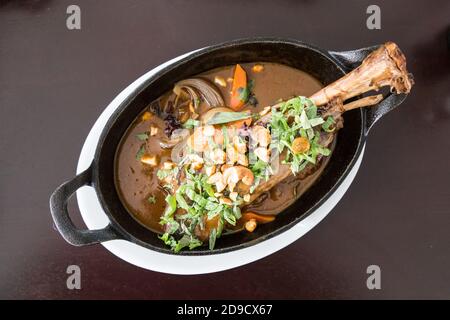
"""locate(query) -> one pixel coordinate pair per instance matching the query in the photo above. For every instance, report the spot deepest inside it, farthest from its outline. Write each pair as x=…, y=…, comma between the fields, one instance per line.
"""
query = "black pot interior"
x=290, y=53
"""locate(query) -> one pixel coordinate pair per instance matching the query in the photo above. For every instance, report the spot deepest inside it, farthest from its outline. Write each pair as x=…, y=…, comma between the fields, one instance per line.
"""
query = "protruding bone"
x=386, y=66
x=363, y=102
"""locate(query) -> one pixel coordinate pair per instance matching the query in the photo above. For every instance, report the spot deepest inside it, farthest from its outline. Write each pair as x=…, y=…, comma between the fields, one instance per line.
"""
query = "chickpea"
x=250, y=225
x=300, y=145
x=257, y=68
x=220, y=81
x=147, y=116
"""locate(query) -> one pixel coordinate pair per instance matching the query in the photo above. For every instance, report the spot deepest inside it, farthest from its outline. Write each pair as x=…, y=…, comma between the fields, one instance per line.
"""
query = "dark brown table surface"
x=54, y=83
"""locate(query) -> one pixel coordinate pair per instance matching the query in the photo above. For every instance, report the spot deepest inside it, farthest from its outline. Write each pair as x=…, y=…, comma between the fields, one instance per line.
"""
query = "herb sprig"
x=298, y=117
x=192, y=205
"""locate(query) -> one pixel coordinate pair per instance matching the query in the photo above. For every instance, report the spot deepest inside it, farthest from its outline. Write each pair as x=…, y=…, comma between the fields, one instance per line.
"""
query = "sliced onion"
x=197, y=88
x=177, y=136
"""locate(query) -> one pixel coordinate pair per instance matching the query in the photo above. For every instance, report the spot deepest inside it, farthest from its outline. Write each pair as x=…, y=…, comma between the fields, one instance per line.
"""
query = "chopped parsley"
x=191, y=124
x=328, y=125
x=298, y=117
x=142, y=136
x=151, y=199
x=164, y=173
x=195, y=203
x=140, y=152
x=244, y=93
x=261, y=171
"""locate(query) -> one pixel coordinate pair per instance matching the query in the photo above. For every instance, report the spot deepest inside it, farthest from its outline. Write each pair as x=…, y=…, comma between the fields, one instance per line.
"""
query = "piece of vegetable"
x=147, y=116
x=305, y=123
x=171, y=206
x=164, y=173
x=237, y=124
x=197, y=88
x=250, y=225
x=257, y=68
x=191, y=123
x=220, y=81
x=140, y=152
x=328, y=125
x=212, y=239
x=261, y=218
x=142, y=136
x=201, y=212
x=176, y=137
x=151, y=160
x=300, y=145
x=239, y=90
x=227, y=117
x=151, y=199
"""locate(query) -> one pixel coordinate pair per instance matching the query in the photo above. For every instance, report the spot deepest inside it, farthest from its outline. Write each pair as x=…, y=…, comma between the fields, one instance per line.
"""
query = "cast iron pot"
x=326, y=66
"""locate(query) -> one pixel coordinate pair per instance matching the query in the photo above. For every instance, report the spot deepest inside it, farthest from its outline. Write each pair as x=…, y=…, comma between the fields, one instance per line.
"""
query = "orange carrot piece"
x=239, y=90
x=258, y=217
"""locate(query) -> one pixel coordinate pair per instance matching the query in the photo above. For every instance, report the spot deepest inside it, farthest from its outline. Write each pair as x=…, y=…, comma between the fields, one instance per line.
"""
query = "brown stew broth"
x=136, y=182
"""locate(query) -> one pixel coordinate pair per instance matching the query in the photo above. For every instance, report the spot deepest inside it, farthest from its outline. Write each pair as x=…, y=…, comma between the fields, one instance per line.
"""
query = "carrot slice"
x=261, y=218
x=239, y=90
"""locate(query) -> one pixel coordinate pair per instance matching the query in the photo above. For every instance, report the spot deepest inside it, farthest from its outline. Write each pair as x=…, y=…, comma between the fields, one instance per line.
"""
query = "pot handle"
x=349, y=60
x=61, y=218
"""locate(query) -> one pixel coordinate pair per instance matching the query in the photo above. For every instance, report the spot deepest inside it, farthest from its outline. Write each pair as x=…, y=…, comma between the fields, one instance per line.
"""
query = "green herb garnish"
x=140, y=152
x=297, y=117
x=164, y=173
x=250, y=84
x=142, y=136
x=244, y=93
x=151, y=199
x=172, y=202
x=197, y=203
x=212, y=239
x=328, y=125
x=191, y=124
x=225, y=117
